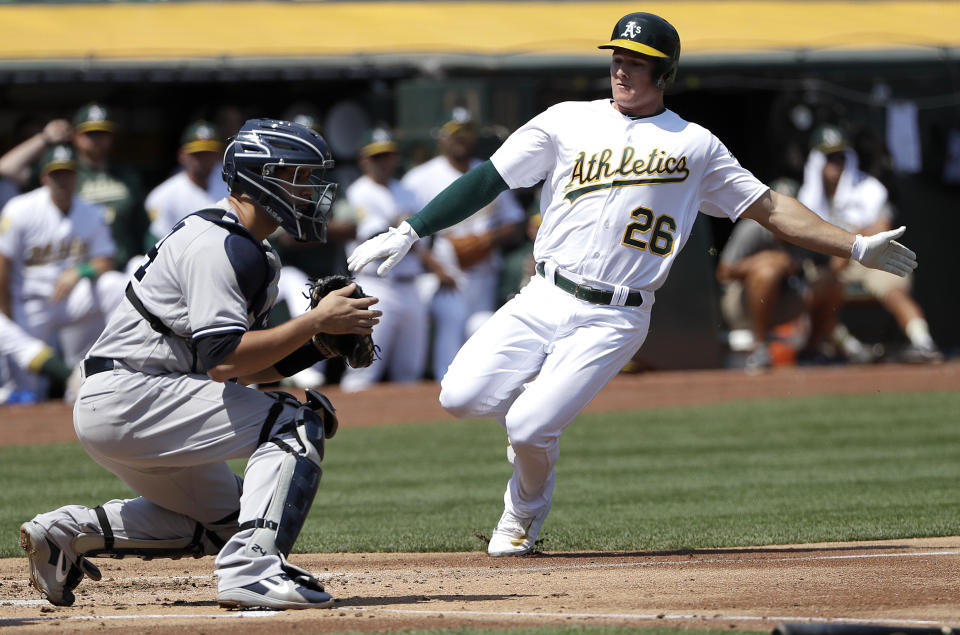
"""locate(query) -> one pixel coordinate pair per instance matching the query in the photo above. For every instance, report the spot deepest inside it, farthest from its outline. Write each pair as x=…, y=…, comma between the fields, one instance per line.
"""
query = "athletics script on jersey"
x=601, y=173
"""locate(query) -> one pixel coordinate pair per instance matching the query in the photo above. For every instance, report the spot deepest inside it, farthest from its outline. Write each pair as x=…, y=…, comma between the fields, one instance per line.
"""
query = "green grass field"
x=789, y=471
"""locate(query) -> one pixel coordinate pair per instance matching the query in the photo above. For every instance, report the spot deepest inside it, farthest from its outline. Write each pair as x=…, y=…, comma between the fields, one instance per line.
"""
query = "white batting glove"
x=881, y=251
x=392, y=244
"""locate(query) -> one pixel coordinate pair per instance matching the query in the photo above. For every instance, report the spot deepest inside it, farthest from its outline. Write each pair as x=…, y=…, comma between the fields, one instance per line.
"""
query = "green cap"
x=828, y=139
x=58, y=157
x=377, y=141
x=460, y=119
x=200, y=136
x=91, y=118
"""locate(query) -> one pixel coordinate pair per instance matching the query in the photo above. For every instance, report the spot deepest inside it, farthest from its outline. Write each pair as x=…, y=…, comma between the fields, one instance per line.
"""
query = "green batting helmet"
x=649, y=35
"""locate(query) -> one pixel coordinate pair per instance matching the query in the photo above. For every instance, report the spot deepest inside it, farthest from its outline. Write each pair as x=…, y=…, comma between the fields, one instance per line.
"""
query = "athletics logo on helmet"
x=650, y=35
x=281, y=165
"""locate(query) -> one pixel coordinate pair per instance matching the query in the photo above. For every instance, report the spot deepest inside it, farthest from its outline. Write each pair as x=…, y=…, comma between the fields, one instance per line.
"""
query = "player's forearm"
x=791, y=221
x=258, y=351
x=461, y=199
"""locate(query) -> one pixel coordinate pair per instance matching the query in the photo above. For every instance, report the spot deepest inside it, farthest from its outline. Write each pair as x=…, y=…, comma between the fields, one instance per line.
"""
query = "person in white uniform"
x=56, y=261
x=468, y=252
x=165, y=399
x=189, y=189
x=623, y=180
x=381, y=201
x=837, y=189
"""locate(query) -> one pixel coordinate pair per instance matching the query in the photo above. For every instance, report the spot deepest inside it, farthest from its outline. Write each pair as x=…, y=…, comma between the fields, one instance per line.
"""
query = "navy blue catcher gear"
x=299, y=199
x=650, y=35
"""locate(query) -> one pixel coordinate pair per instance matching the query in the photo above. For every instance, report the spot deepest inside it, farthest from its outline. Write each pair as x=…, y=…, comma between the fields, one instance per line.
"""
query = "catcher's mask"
x=281, y=165
x=650, y=35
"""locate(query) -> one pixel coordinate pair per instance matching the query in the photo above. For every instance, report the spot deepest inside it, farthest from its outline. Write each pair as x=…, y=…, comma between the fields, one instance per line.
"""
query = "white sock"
x=918, y=331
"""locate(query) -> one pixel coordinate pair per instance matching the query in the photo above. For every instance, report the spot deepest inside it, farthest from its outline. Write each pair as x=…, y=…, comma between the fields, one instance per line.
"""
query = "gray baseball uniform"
x=148, y=412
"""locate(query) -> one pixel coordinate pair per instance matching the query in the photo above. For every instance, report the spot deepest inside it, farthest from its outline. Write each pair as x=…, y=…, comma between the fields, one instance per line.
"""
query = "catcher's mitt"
x=358, y=350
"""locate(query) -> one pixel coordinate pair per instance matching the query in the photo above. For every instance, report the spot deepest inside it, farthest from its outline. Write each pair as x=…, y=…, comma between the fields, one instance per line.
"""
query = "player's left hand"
x=65, y=284
x=882, y=251
x=392, y=244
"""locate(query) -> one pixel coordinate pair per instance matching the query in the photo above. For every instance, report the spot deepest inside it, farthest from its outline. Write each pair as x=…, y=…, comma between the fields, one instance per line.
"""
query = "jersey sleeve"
x=727, y=189
x=212, y=290
x=101, y=239
x=529, y=154
x=9, y=235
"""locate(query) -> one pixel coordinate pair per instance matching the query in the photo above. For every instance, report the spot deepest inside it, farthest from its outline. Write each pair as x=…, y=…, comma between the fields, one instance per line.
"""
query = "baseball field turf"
x=806, y=470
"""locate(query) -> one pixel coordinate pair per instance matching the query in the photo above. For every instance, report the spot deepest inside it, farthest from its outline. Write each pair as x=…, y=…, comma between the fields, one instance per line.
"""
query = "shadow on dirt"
x=420, y=599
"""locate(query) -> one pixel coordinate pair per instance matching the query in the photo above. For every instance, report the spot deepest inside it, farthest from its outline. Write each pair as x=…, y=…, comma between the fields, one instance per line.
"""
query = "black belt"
x=583, y=292
x=94, y=365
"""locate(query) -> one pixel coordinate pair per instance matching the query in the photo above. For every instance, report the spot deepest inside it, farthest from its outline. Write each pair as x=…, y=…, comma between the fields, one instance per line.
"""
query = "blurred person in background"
x=470, y=252
x=17, y=163
x=381, y=202
x=188, y=190
x=767, y=282
x=114, y=186
x=56, y=261
x=837, y=189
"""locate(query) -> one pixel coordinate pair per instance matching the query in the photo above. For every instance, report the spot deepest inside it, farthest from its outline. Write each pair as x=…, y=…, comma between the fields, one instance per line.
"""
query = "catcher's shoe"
x=51, y=572
x=276, y=592
x=515, y=536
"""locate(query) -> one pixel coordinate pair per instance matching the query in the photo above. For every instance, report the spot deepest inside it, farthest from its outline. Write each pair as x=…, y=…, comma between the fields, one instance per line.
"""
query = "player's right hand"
x=392, y=244
x=338, y=313
x=881, y=251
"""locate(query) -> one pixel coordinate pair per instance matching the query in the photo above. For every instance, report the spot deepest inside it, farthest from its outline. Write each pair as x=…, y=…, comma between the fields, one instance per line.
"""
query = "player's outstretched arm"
x=462, y=198
x=790, y=220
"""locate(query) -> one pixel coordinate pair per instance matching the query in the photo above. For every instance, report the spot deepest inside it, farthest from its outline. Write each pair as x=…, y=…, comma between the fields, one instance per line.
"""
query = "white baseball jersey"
x=173, y=199
x=430, y=178
x=379, y=208
x=201, y=279
x=621, y=194
x=42, y=242
x=403, y=329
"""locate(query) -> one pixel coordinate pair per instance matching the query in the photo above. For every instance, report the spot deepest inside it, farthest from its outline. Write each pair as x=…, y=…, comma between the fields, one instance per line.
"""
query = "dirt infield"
x=901, y=582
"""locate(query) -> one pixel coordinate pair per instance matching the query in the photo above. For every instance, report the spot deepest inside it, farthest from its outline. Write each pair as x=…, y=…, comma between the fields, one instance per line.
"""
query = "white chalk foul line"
x=661, y=616
x=158, y=616
x=499, y=614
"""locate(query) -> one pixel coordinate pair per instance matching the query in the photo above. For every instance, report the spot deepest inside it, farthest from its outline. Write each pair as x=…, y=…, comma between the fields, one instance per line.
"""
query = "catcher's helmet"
x=300, y=203
x=650, y=35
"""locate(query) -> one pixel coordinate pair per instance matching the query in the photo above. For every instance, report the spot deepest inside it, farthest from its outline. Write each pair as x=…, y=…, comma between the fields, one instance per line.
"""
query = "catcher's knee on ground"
x=298, y=479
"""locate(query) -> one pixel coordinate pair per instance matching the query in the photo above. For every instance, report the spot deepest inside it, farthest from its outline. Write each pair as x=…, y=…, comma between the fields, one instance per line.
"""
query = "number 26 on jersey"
x=649, y=232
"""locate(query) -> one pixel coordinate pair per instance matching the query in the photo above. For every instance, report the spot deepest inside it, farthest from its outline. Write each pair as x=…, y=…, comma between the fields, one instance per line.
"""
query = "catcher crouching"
x=165, y=400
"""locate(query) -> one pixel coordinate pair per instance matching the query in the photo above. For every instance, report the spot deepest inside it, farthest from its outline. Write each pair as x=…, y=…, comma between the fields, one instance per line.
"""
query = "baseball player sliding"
x=156, y=407
x=623, y=180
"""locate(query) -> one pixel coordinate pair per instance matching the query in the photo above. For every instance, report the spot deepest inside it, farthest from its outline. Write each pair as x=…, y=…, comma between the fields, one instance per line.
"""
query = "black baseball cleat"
x=50, y=571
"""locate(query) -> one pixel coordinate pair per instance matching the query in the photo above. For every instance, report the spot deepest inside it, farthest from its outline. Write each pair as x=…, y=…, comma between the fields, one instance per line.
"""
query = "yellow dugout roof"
x=531, y=31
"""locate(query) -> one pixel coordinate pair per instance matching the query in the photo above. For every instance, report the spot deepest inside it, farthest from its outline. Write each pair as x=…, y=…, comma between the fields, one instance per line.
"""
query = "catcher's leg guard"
x=205, y=541
x=296, y=483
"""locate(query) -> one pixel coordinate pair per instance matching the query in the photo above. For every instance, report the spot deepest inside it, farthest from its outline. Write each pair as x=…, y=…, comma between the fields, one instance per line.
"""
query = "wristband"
x=859, y=249
x=86, y=270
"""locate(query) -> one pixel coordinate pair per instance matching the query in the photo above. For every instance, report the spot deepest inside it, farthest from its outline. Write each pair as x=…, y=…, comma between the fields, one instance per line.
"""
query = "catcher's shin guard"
x=205, y=541
x=295, y=488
